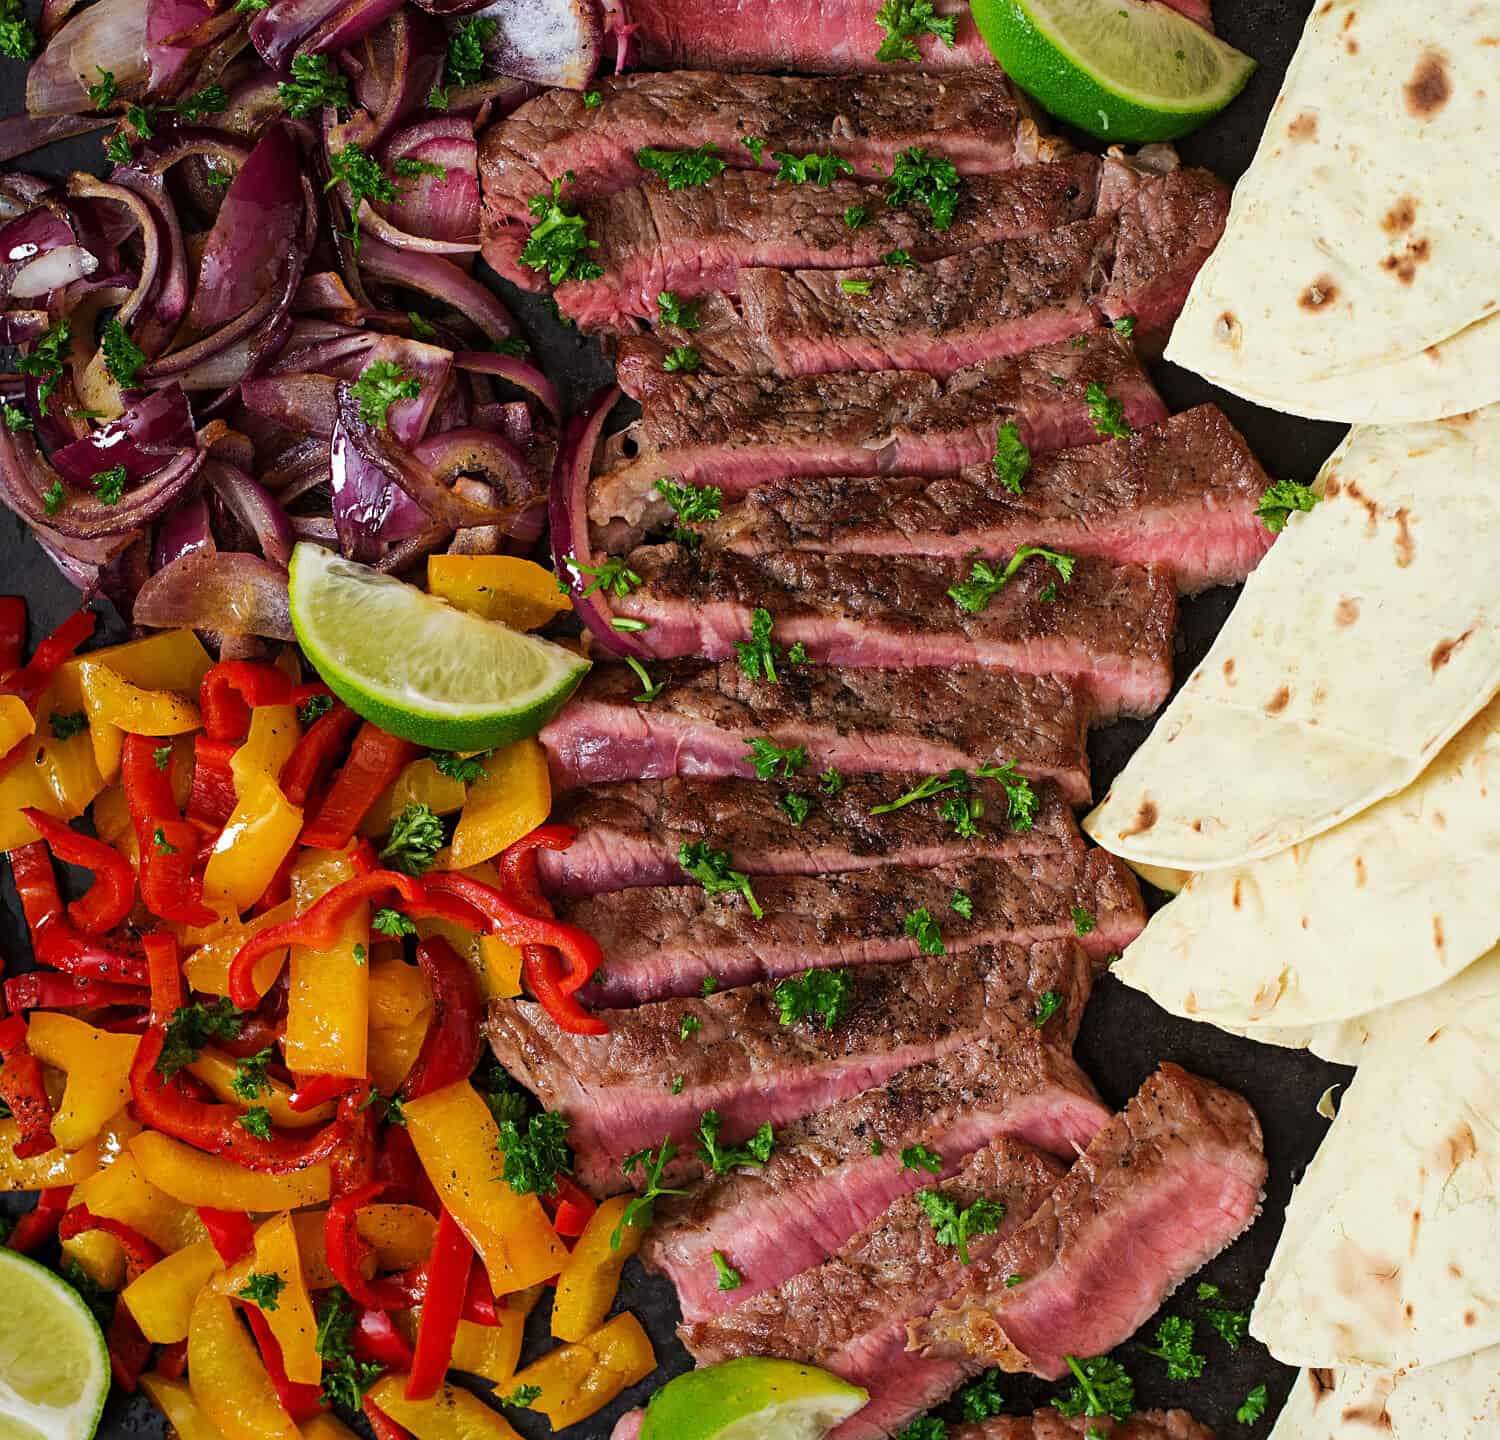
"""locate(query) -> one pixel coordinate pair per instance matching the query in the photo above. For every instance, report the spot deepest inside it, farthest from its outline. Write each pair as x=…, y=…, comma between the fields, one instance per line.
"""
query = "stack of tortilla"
x=1357, y=280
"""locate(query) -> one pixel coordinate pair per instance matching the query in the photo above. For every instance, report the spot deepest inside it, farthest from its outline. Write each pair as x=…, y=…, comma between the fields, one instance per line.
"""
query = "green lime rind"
x=1121, y=70
x=416, y=666
x=54, y=1365
x=751, y=1398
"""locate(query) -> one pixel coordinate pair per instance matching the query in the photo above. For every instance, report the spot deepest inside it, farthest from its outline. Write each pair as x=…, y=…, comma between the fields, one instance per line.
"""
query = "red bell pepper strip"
x=299, y=1401
x=375, y=760
x=33, y=678
x=382, y=1427
x=376, y=1339
x=450, y=1050
x=573, y=1208
x=448, y=1270
x=112, y=895
x=39, y=1224
x=129, y=1350
x=53, y=939
x=233, y=688
x=172, y=1362
x=211, y=800
x=12, y=634
x=541, y=969
x=346, y=1248
x=46, y=990
x=397, y=1165
x=171, y=887
x=411, y=1287
x=140, y=1253
x=231, y=1232
x=315, y=1090
x=22, y=1088
x=315, y=753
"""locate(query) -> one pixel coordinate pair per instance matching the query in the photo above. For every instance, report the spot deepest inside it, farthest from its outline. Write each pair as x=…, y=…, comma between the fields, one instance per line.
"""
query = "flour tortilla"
x=1456, y=1401
x=1366, y=638
x=1388, y=1257
x=1388, y=905
x=1363, y=232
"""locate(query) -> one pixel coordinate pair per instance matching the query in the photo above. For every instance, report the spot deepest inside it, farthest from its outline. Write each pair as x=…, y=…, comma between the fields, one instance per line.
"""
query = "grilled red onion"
x=254, y=507
x=146, y=437
x=442, y=280
x=302, y=402
x=109, y=35
x=171, y=42
x=514, y=371
x=183, y=530
x=234, y=594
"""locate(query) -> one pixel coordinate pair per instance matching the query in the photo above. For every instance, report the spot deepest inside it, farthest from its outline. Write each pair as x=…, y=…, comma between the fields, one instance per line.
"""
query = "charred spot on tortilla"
x=1229, y=672
x=1443, y=652
x=1404, y=266
x=1360, y=876
x=1304, y=127
x=1279, y=701
x=1145, y=818
x=1405, y=547
x=1319, y=295
x=1227, y=329
x=1346, y=612
x=1372, y=1414
x=1401, y=216
x=1437, y=932
x=1322, y=1384
x=1237, y=898
x=1429, y=88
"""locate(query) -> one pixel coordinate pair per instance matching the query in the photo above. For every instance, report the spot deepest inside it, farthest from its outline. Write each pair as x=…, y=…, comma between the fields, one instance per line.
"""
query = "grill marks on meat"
x=662, y=941
x=858, y=721
x=740, y=433
x=629, y=834
x=1161, y=1189
x=1047, y=1424
x=1180, y=494
x=822, y=1185
x=1110, y=627
x=698, y=239
x=617, y=1091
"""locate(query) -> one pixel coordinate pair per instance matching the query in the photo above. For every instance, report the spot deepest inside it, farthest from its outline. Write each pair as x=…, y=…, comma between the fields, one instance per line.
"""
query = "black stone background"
x=1124, y=1035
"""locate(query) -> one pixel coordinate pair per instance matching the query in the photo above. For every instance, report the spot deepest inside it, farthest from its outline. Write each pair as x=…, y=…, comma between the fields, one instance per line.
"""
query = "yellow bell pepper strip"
x=111, y=815
x=291, y=1321
x=45, y=1171
x=496, y=964
x=194, y=1178
x=16, y=722
x=167, y=660
x=121, y=1191
x=98, y=1255
x=586, y=1288
x=399, y=993
x=207, y=968
x=328, y=1001
x=401, y=1235
x=519, y=593
x=175, y=1401
x=578, y=1379
x=257, y=837
x=491, y=1351
x=220, y=1072
x=97, y=1064
x=457, y=1141
x=451, y=1414
x=161, y=1300
x=395, y=1051
x=510, y=800
x=274, y=733
x=116, y=707
x=419, y=783
x=323, y=1427
x=226, y=1376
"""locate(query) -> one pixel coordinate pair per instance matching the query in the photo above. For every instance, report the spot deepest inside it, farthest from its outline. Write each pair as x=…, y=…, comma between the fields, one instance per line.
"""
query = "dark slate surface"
x=1124, y=1034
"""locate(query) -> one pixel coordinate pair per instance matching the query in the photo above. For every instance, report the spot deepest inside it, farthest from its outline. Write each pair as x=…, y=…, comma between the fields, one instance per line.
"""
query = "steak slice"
x=1181, y=494
x=691, y=241
x=822, y=1184
x=1164, y=1187
x=1110, y=627
x=630, y=833
x=624, y=1091
x=1048, y=1424
x=740, y=433
x=661, y=941
x=858, y=721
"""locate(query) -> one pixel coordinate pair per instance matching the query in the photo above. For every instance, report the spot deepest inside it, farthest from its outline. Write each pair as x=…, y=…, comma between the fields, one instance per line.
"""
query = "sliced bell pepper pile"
x=375, y=760
x=54, y=940
x=111, y=896
x=24, y=1090
x=171, y=882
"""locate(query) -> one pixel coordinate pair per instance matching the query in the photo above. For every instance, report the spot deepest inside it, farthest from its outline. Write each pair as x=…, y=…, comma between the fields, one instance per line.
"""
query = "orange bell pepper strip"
x=375, y=760
x=161, y=1298
x=507, y=802
x=197, y=1179
x=516, y=592
x=111, y=897
x=588, y=1283
x=328, y=994
x=292, y=1321
x=449, y=1414
x=579, y=1379
x=227, y=1378
x=23, y=1090
x=97, y=1064
x=175, y=1401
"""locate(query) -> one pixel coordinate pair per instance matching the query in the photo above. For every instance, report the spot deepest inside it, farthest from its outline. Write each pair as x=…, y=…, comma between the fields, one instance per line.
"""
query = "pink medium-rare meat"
x=855, y=721
x=664, y=941
x=827, y=1178
x=1049, y=1424
x=630, y=833
x=651, y=1078
x=1161, y=1190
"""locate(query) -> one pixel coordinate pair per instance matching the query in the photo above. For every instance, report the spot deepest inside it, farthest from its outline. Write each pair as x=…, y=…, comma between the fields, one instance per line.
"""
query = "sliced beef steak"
x=1159, y=1192
x=857, y=721
x=1181, y=494
x=647, y=1079
x=691, y=241
x=629, y=834
x=740, y=433
x=1109, y=626
x=663, y=941
x=822, y=1183
x=1048, y=1424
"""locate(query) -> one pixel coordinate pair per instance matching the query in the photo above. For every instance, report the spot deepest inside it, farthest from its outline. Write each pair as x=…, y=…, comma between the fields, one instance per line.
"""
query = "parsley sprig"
x=1103, y=1388
x=536, y=1154
x=985, y=582
x=818, y=995
x=682, y=169
x=681, y=313
x=44, y=361
x=380, y=385
x=819, y=170
x=721, y=1159
x=191, y=1027
x=711, y=869
x=1174, y=1344
x=954, y=1226
x=1107, y=413
x=559, y=242
x=903, y=21
x=768, y=757
x=416, y=837
x=316, y=82
x=639, y=1211
x=920, y=177
x=1012, y=457
x=1021, y=800
x=345, y=1379
x=1284, y=498
x=123, y=358
x=757, y=656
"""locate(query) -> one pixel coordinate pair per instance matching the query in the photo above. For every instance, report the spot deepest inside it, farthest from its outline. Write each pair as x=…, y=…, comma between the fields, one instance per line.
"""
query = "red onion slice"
x=440, y=279
x=109, y=35
x=146, y=437
x=254, y=507
x=514, y=371
x=183, y=530
x=233, y=593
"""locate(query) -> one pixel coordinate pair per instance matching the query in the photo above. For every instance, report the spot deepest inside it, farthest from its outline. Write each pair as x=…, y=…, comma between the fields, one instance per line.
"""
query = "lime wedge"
x=1122, y=70
x=751, y=1399
x=417, y=667
x=54, y=1368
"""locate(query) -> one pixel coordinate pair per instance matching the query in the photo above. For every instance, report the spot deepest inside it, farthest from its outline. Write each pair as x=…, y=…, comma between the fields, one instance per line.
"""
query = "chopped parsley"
x=710, y=868
x=316, y=82
x=1011, y=1281
x=757, y=656
x=1012, y=457
x=1125, y=326
x=65, y=724
x=962, y=904
x=899, y=260
x=415, y=838
x=511, y=345
x=211, y=100
x=1281, y=500
x=109, y=485
x=683, y=360
x=1253, y=1408
x=345, y=1379
x=795, y=807
x=1047, y=1005
x=386, y=921
x=710, y=984
x=678, y=1081
x=1232, y=1325
x=682, y=314
x=593, y=99
x=380, y=385
x=263, y=1290
x=919, y=1157
x=855, y=216
x=523, y=1397
x=729, y=1277
x=53, y=497
x=649, y=692
x=366, y=181
x=1174, y=1344
x=102, y=93
x=985, y=582
x=818, y=995
x=559, y=243
x=830, y=782
x=756, y=147
x=611, y=576
x=1209, y=1292
x=694, y=504
x=953, y=1226
x=682, y=169
x=257, y=1121
x=924, y=930
x=1083, y=922
x=1107, y=413
x=465, y=62
x=17, y=38
x=638, y=1212
x=15, y=418
x=855, y=287
x=767, y=757
x=536, y=1154
x=360, y=954
x=314, y=708
x=466, y=769
x=925, y=1427
x=921, y=178
x=191, y=1027
x=1020, y=799
x=903, y=21
x=44, y=361
x=688, y=1026
x=1103, y=1388
x=722, y=1159
x=820, y=170
x=980, y=1399
x=162, y=756
x=250, y=1075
